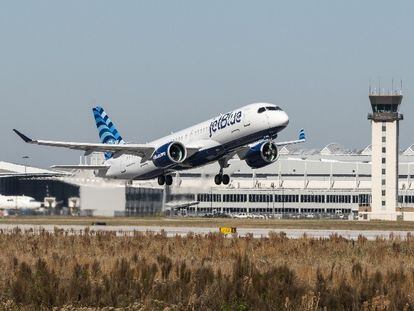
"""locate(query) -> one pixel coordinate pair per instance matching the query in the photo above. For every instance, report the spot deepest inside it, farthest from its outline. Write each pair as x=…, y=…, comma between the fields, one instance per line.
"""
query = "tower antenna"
x=379, y=86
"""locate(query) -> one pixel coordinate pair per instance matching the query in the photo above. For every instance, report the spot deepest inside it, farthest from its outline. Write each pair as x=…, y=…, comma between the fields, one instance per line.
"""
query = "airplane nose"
x=284, y=119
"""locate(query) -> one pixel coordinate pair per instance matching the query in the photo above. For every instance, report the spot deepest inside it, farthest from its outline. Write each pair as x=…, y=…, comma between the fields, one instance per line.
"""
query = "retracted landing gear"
x=165, y=179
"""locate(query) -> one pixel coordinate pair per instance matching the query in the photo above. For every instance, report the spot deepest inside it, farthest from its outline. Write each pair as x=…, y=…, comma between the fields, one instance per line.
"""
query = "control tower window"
x=261, y=109
x=385, y=108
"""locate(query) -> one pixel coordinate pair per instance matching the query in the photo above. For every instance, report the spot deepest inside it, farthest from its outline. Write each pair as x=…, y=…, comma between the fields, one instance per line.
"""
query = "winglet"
x=22, y=136
x=302, y=135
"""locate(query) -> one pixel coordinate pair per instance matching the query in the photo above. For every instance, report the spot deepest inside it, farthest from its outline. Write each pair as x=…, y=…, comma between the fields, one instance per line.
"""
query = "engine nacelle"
x=262, y=154
x=169, y=154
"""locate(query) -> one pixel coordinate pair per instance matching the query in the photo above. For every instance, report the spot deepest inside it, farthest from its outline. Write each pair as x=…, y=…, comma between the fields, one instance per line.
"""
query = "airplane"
x=248, y=132
x=14, y=202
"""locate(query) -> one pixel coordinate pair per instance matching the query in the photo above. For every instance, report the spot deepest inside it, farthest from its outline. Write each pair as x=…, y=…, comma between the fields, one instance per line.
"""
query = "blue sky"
x=159, y=66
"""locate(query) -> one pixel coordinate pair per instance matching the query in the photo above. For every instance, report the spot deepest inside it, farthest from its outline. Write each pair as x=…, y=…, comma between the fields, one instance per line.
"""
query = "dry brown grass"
x=153, y=272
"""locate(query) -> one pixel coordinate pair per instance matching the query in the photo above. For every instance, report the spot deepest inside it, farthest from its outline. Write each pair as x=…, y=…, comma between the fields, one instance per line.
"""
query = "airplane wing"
x=32, y=175
x=141, y=150
x=241, y=152
x=81, y=167
x=301, y=139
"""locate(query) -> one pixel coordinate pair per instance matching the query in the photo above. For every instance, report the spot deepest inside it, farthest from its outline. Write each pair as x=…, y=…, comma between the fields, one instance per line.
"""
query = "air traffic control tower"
x=385, y=120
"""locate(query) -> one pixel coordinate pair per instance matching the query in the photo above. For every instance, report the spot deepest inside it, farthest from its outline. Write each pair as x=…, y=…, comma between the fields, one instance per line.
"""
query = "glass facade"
x=143, y=201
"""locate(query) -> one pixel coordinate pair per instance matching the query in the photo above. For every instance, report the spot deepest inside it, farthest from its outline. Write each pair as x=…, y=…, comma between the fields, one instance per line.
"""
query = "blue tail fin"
x=106, y=128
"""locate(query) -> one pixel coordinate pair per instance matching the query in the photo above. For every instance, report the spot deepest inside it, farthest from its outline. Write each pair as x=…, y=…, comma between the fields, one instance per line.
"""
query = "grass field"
x=216, y=222
x=153, y=272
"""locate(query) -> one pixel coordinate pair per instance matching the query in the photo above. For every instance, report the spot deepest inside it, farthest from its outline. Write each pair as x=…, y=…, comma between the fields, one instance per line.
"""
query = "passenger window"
x=262, y=109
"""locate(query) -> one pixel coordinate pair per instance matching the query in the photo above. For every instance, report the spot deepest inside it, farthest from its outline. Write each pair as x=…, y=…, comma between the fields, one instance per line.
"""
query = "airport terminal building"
x=330, y=182
x=80, y=193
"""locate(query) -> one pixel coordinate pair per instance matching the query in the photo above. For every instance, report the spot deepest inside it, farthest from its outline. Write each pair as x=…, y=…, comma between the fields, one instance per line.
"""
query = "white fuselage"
x=18, y=202
x=214, y=138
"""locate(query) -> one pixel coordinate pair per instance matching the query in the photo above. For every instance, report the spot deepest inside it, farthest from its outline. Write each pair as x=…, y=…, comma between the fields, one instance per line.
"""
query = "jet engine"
x=262, y=154
x=169, y=154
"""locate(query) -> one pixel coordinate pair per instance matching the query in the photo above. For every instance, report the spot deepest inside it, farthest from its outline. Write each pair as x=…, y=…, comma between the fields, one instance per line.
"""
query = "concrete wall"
x=103, y=200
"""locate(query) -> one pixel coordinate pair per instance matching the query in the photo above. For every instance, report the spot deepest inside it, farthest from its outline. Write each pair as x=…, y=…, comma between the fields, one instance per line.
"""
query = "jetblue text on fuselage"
x=224, y=121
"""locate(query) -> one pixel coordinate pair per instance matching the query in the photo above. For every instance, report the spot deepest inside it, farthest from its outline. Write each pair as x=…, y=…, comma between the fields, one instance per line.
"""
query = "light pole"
x=25, y=163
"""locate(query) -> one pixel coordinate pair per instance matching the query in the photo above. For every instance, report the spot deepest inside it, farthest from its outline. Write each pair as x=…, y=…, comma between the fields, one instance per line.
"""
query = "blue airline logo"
x=225, y=120
x=157, y=156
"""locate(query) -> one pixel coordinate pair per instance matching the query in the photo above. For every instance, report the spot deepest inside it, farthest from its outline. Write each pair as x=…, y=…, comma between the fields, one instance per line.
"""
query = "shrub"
x=152, y=271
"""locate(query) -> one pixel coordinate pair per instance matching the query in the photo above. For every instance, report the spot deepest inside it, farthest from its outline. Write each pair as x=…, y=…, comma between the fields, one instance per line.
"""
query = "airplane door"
x=267, y=120
x=246, y=119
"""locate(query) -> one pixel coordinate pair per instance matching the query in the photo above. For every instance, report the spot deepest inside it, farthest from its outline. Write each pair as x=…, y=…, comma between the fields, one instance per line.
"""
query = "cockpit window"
x=263, y=109
x=273, y=108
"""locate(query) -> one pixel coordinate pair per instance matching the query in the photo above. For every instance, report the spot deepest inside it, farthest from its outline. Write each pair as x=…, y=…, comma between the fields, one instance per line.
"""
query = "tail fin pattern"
x=106, y=128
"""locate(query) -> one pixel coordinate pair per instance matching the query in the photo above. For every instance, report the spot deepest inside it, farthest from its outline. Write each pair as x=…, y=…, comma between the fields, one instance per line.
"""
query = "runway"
x=171, y=231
